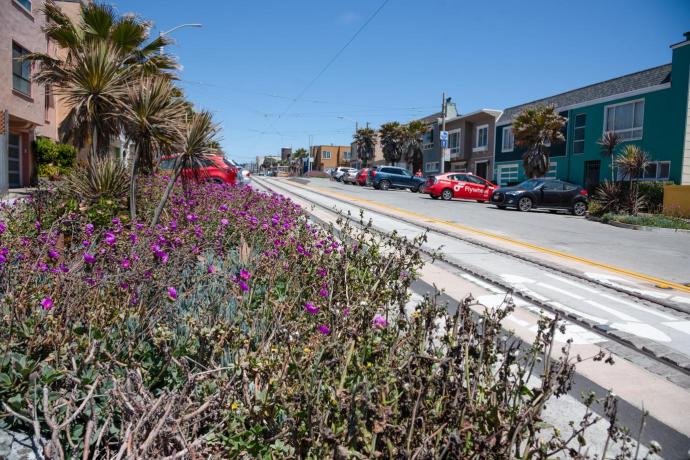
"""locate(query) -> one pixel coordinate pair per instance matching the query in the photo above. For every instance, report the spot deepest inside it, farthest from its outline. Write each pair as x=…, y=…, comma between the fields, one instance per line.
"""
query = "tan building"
x=330, y=156
x=471, y=142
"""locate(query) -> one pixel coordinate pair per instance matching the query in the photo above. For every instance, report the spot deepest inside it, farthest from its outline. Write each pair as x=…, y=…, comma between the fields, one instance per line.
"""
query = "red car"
x=213, y=168
x=459, y=185
x=362, y=176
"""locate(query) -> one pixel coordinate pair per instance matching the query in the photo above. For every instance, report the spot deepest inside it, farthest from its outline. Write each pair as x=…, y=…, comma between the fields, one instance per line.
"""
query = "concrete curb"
x=644, y=228
x=649, y=348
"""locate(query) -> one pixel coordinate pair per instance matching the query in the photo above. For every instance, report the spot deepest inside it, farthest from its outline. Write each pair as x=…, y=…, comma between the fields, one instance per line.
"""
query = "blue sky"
x=252, y=57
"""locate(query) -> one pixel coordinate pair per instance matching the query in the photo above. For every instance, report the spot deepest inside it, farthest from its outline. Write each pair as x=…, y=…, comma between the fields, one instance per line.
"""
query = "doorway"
x=14, y=160
x=592, y=171
x=481, y=169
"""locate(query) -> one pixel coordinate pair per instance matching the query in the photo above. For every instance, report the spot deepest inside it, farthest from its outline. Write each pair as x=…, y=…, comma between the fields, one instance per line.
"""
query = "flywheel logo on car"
x=468, y=188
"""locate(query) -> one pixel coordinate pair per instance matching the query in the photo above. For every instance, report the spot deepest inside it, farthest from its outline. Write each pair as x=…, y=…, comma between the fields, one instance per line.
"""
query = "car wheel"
x=384, y=185
x=447, y=194
x=579, y=208
x=525, y=204
x=415, y=189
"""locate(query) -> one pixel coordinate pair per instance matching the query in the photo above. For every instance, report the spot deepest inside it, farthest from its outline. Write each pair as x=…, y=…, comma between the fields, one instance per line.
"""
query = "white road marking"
x=612, y=311
x=681, y=299
x=572, y=283
x=638, y=307
x=596, y=319
x=642, y=330
x=530, y=292
x=521, y=322
x=562, y=291
x=578, y=335
x=682, y=326
x=515, y=279
x=482, y=283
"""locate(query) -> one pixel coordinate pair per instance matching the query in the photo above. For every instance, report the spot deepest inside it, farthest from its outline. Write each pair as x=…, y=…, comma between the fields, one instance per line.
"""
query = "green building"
x=648, y=108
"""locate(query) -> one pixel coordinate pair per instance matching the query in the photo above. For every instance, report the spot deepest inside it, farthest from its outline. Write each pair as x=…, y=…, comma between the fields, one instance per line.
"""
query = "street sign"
x=444, y=143
x=446, y=154
x=443, y=135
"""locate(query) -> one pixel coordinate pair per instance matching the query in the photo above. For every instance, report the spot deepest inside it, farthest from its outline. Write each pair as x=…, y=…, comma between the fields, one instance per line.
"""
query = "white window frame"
x=326, y=154
x=428, y=145
x=458, y=148
x=477, y=147
x=584, y=128
x=511, y=174
x=626, y=130
x=429, y=168
x=507, y=129
x=620, y=176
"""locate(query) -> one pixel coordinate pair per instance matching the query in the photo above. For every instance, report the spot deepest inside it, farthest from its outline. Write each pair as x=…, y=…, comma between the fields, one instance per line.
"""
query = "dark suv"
x=542, y=193
x=386, y=177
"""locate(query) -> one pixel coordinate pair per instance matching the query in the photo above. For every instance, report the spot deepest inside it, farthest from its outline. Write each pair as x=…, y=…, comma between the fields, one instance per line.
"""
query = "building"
x=648, y=108
x=431, y=145
x=285, y=154
x=471, y=143
x=377, y=159
x=27, y=110
x=330, y=156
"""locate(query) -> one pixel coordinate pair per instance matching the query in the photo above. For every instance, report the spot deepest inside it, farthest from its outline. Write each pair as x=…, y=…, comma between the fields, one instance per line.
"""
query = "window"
x=431, y=166
x=482, y=138
x=655, y=170
x=508, y=139
x=21, y=70
x=579, y=133
x=458, y=167
x=346, y=155
x=625, y=119
x=26, y=4
x=454, y=141
x=428, y=141
x=326, y=155
x=553, y=170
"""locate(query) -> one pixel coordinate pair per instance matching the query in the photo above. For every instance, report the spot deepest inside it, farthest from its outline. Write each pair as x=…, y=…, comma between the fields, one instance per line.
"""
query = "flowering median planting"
x=236, y=328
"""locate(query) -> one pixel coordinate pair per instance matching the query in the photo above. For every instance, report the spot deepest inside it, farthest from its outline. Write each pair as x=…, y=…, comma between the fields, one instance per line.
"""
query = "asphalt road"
x=663, y=255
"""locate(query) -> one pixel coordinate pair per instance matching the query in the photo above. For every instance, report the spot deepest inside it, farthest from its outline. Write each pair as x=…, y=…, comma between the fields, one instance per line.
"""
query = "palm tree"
x=608, y=142
x=197, y=143
x=633, y=161
x=365, y=141
x=413, y=135
x=100, y=55
x=392, y=141
x=537, y=129
x=152, y=116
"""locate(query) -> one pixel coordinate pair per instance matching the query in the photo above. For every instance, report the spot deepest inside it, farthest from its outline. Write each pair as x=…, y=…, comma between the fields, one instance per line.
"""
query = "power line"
x=328, y=65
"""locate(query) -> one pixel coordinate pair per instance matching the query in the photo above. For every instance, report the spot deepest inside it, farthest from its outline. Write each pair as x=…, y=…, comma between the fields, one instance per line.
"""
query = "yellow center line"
x=524, y=244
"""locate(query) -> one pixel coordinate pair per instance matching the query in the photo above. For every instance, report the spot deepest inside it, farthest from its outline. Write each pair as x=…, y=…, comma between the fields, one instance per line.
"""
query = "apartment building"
x=471, y=142
x=330, y=156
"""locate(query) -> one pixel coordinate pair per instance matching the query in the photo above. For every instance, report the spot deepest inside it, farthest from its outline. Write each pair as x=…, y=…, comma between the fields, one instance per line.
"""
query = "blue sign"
x=444, y=142
x=443, y=135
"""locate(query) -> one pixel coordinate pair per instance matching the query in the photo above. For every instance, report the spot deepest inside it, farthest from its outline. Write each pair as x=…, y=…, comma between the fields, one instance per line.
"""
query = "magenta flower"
x=322, y=272
x=243, y=285
x=89, y=258
x=86, y=243
x=125, y=264
x=110, y=238
x=325, y=330
x=89, y=229
x=172, y=293
x=224, y=222
x=53, y=254
x=323, y=292
x=245, y=275
x=311, y=308
x=3, y=259
x=380, y=322
x=192, y=217
x=3, y=227
x=37, y=224
x=47, y=303
x=346, y=311
x=211, y=269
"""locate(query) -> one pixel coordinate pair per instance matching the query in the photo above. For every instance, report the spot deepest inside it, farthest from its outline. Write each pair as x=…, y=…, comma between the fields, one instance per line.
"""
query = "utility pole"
x=443, y=128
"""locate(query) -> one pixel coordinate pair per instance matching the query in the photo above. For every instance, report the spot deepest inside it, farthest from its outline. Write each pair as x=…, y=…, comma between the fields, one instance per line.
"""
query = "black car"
x=542, y=193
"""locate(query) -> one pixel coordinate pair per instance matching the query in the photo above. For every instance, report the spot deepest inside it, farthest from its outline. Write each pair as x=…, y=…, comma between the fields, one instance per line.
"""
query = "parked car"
x=543, y=193
x=363, y=176
x=340, y=171
x=350, y=177
x=459, y=185
x=212, y=168
x=386, y=177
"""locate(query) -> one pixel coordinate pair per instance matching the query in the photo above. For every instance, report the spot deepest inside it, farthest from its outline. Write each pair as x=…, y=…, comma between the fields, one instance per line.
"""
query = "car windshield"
x=531, y=184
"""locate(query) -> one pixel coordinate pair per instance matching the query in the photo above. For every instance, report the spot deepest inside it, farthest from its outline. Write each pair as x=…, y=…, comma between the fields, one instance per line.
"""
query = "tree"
x=196, y=143
x=536, y=129
x=608, y=142
x=269, y=163
x=365, y=141
x=101, y=55
x=413, y=138
x=392, y=136
x=633, y=161
x=152, y=117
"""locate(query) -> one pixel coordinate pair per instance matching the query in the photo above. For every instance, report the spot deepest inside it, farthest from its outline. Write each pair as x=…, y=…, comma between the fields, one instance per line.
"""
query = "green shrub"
x=596, y=209
x=54, y=159
x=100, y=178
x=48, y=170
x=46, y=151
x=654, y=195
x=66, y=155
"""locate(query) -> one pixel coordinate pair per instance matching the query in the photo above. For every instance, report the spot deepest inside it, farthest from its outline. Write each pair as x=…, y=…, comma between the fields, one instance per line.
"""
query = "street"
x=605, y=309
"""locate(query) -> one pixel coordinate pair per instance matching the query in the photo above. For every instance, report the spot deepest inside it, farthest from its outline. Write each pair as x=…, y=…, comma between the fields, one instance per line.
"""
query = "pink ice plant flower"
x=311, y=308
x=379, y=322
x=245, y=275
x=325, y=330
x=172, y=293
x=110, y=238
x=89, y=258
x=47, y=303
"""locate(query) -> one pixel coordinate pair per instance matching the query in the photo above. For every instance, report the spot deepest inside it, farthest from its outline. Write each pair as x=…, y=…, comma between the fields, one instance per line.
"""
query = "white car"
x=341, y=171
